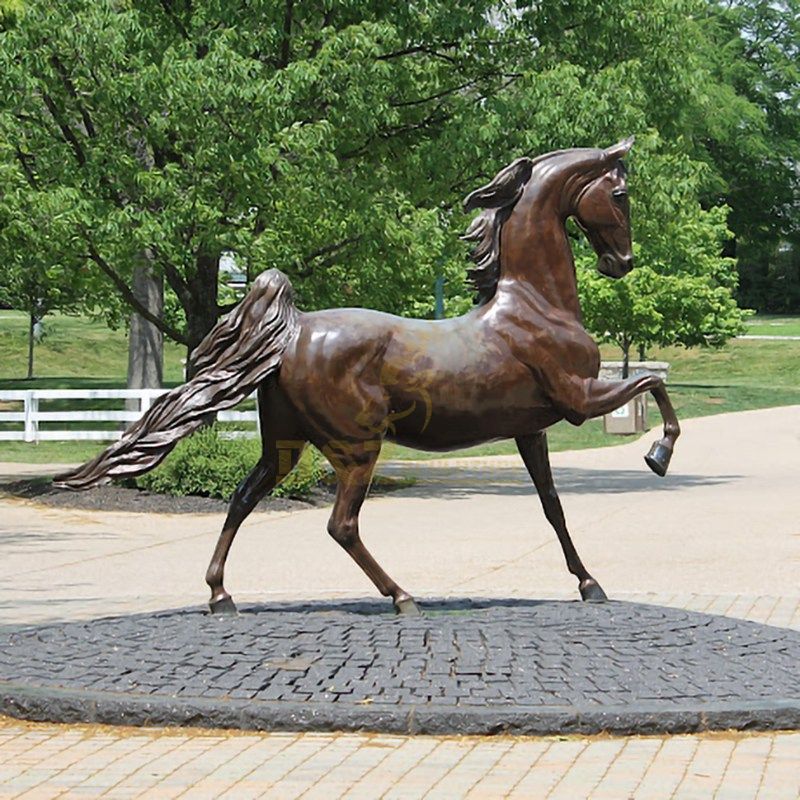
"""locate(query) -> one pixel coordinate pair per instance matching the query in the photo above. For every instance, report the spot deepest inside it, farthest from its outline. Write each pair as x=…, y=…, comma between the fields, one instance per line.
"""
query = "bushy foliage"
x=210, y=465
x=681, y=291
x=335, y=140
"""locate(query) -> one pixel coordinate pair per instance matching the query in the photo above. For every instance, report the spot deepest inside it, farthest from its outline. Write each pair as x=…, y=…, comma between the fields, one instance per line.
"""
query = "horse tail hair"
x=237, y=354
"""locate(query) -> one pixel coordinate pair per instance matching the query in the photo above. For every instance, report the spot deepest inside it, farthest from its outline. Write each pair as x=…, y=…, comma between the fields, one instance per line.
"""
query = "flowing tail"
x=238, y=353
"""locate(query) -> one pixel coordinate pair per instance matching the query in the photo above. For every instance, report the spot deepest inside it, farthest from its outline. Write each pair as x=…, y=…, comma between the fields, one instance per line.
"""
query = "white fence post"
x=31, y=414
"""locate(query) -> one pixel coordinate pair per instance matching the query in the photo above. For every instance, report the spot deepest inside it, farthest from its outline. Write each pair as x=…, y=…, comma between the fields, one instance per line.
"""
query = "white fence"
x=26, y=417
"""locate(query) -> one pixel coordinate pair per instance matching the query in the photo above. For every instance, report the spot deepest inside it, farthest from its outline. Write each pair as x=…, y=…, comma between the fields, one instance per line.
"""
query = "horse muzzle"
x=614, y=266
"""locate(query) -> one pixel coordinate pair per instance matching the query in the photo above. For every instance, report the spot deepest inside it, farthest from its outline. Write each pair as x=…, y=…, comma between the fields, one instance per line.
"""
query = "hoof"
x=407, y=607
x=591, y=592
x=658, y=458
x=223, y=606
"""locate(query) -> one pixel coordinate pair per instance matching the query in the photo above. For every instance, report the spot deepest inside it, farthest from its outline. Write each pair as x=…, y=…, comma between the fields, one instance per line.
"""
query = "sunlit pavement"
x=720, y=534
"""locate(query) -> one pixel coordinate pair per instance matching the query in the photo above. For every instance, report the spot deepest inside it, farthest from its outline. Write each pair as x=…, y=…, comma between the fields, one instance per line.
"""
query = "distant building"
x=233, y=275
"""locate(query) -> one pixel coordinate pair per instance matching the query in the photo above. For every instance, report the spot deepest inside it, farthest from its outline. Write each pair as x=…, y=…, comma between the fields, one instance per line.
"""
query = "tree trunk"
x=145, y=340
x=202, y=316
x=642, y=353
x=626, y=357
x=31, y=328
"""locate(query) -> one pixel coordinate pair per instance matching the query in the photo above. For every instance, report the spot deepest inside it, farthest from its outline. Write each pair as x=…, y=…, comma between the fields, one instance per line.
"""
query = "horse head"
x=602, y=212
x=588, y=184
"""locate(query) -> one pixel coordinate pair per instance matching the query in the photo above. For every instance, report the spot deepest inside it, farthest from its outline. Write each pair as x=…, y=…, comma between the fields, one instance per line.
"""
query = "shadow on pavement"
x=384, y=607
x=452, y=484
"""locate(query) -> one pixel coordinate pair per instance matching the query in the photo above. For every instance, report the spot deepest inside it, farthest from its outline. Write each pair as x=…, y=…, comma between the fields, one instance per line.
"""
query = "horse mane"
x=497, y=198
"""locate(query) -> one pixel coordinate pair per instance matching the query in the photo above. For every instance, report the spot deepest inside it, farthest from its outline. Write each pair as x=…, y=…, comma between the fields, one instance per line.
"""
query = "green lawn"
x=769, y=325
x=79, y=353
x=75, y=352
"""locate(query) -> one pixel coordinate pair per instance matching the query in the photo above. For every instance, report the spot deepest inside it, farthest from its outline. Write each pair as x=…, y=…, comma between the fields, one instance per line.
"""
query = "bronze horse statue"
x=346, y=379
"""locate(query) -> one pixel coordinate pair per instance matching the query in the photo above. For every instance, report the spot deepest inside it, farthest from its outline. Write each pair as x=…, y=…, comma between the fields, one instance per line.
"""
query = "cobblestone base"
x=484, y=667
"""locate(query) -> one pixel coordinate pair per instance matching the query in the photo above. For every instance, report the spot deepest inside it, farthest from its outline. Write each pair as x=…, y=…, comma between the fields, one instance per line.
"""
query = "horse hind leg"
x=281, y=449
x=533, y=450
x=354, y=476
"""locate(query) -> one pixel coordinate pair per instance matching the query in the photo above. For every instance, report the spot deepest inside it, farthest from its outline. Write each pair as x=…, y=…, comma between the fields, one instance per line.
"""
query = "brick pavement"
x=49, y=761
x=483, y=667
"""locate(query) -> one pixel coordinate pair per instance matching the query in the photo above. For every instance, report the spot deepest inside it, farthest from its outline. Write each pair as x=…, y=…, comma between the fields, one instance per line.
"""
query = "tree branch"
x=316, y=45
x=23, y=160
x=437, y=96
x=131, y=299
x=330, y=250
x=434, y=118
x=287, y=35
x=419, y=48
x=66, y=131
x=166, y=5
x=68, y=136
x=177, y=283
x=73, y=93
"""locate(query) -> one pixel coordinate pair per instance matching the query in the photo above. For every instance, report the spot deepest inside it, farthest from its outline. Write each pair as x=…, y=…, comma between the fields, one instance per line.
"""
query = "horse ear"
x=504, y=188
x=619, y=150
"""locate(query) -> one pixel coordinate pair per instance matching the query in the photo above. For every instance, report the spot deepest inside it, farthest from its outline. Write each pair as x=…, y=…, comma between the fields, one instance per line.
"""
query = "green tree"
x=682, y=289
x=334, y=142
x=37, y=290
x=9, y=12
x=32, y=281
x=284, y=134
x=751, y=136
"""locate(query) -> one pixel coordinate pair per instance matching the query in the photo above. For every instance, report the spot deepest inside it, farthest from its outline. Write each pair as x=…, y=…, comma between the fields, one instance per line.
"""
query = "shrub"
x=211, y=465
x=309, y=472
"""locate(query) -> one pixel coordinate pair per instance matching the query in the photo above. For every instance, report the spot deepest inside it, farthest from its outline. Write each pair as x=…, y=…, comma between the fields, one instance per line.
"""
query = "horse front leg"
x=580, y=399
x=661, y=452
x=533, y=450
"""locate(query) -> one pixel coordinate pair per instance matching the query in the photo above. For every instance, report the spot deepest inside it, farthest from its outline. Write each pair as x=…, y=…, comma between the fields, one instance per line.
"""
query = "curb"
x=52, y=704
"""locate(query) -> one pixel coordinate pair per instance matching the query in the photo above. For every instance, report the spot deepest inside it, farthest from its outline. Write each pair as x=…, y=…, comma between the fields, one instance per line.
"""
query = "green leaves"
x=335, y=140
x=681, y=290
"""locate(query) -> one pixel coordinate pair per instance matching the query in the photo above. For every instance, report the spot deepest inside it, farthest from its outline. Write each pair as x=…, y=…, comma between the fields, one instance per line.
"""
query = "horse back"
x=438, y=384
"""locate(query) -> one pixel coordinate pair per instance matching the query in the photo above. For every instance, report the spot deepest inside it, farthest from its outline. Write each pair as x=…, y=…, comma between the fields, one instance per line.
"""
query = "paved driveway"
x=721, y=533
x=725, y=521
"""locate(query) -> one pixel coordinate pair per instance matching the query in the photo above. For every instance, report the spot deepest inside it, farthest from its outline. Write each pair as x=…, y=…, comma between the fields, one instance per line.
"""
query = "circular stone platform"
x=483, y=667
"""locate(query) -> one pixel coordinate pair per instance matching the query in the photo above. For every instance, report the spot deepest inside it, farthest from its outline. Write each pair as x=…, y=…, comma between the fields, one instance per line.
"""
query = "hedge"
x=212, y=465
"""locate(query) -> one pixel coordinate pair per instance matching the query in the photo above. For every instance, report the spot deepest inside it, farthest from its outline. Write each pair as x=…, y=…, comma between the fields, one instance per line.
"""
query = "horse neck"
x=535, y=252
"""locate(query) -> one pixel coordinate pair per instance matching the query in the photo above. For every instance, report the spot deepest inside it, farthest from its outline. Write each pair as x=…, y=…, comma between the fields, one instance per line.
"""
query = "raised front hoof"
x=658, y=458
x=223, y=606
x=591, y=591
x=407, y=607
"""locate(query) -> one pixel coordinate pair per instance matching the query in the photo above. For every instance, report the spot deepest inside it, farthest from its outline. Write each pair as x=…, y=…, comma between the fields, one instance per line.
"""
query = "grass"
x=769, y=325
x=743, y=375
x=75, y=352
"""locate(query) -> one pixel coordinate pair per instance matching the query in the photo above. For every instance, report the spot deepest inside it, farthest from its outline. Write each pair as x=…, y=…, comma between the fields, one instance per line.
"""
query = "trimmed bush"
x=310, y=471
x=210, y=465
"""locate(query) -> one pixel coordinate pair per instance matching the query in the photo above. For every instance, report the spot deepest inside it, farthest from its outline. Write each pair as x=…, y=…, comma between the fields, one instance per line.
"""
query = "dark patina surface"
x=346, y=379
x=466, y=667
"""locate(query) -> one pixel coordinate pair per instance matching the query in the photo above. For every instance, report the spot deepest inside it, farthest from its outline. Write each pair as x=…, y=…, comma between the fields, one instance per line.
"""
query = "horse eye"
x=618, y=194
